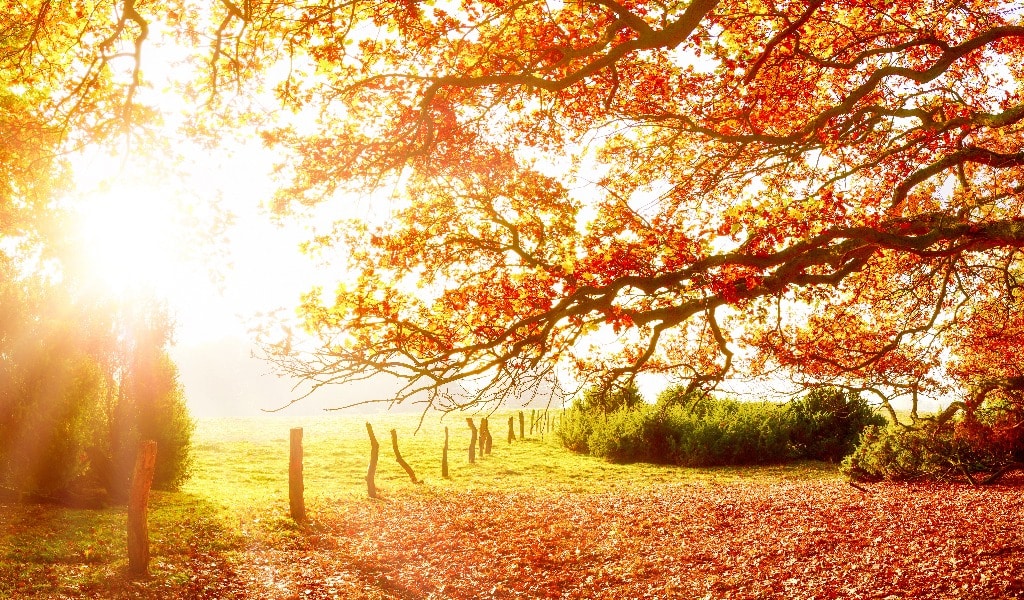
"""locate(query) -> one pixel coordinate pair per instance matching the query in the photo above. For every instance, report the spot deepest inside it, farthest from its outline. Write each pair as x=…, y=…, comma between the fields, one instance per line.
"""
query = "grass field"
x=530, y=520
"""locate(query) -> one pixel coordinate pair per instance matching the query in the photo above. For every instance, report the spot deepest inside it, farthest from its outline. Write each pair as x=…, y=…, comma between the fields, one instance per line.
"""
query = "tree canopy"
x=817, y=191
x=825, y=191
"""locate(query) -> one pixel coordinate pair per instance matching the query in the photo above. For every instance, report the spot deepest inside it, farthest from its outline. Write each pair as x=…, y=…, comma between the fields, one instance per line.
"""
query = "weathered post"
x=398, y=457
x=472, y=441
x=522, y=426
x=485, y=436
x=295, y=486
x=444, y=456
x=511, y=430
x=138, y=505
x=371, y=472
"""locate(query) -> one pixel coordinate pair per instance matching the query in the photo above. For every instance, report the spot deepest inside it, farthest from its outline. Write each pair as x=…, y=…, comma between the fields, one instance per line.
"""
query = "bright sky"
x=152, y=225
x=150, y=231
x=146, y=232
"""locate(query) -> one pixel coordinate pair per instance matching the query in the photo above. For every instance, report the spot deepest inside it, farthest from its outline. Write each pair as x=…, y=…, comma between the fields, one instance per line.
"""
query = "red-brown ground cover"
x=800, y=539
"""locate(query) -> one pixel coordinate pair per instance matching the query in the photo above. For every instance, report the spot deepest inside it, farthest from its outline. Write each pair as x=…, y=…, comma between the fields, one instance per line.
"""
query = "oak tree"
x=820, y=191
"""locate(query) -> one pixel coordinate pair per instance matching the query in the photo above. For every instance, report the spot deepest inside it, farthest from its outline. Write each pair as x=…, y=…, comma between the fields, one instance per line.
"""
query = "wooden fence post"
x=371, y=472
x=522, y=426
x=295, y=485
x=398, y=457
x=511, y=430
x=444, y=456
x=138, y=505
x=472, y=441
x=485, y=436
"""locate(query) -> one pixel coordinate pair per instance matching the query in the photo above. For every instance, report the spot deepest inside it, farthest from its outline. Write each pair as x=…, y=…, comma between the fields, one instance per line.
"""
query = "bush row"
x=700, y=430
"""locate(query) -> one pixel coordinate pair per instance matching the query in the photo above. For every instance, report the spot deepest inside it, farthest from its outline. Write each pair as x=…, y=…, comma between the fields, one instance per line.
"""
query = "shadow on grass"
x=49, y=551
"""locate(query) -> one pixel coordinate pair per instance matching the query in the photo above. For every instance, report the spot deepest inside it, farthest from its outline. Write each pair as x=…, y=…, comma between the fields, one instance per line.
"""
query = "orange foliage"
x=835, y=186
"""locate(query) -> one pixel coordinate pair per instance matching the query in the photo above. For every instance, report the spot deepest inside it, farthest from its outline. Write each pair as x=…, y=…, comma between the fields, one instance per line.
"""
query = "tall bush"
x=625, y=435
x=591, y=410
x=154, y=411
x=46, y=425
x=576, y=427
x=729, y=432
x=50, y=387
x=827, y=423
x=79, y=388
x=150, y=406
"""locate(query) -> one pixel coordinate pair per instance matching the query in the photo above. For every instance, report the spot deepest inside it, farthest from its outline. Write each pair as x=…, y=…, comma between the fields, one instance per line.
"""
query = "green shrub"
x=153, y=408
x=80, y=385
x=693, y=430
x=994, y=430
x=46, y=426
x=896, y=453
x=697, y=429
x=932, y=450
x=575, y=429
x=729, y=432
x=827, y=423
x=621, y=436
x=589, y=412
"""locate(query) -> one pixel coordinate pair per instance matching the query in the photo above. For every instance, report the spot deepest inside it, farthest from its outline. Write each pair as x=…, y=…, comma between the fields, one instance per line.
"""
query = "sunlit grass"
x=238, y=497
x=48, y=550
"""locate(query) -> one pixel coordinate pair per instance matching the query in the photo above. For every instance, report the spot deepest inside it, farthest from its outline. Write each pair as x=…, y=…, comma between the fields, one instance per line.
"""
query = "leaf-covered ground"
x=803, y=539
x=529, y=521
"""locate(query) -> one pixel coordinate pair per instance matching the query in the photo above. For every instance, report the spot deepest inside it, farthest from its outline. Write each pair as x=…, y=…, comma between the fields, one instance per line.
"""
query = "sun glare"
x=132, y=238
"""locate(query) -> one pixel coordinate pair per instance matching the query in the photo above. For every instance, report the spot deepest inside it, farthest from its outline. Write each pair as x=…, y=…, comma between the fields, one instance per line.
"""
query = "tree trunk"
x=444, y=456
x=472, y=441
x=398, y=457
x=533, y=419
x=511, y=430
x=994, y=477
x=295, y=485
x=522, y=426
x=371, y=472
x=138, y=505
